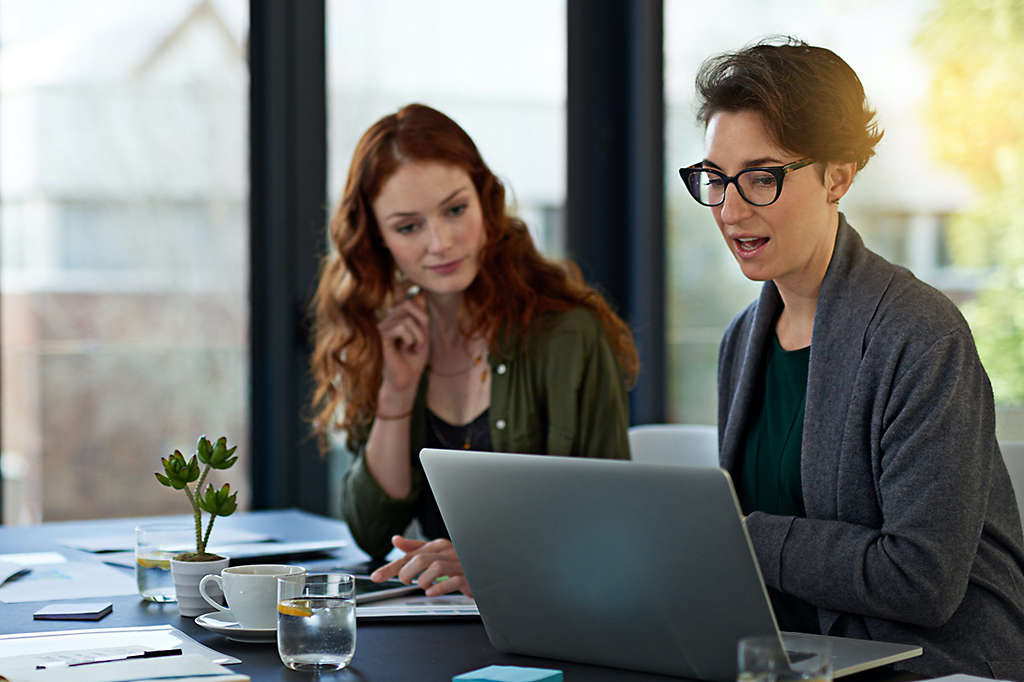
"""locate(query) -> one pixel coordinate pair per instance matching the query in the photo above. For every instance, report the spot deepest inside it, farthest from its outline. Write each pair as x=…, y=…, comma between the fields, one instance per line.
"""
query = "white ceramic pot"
x=187, y=575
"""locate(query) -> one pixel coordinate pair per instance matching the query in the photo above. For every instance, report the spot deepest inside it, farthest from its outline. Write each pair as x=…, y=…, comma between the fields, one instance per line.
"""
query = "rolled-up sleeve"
x=372, y=515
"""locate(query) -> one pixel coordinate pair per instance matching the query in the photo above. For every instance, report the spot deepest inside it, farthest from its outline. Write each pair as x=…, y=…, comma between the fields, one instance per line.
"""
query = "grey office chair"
x=682, y=444
x=1013, y=454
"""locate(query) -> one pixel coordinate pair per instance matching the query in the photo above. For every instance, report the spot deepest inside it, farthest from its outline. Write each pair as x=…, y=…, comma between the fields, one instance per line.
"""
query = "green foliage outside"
x=975, y=118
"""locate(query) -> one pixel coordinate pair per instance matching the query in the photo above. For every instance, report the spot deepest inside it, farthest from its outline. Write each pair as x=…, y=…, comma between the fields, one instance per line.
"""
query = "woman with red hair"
x=438, y=324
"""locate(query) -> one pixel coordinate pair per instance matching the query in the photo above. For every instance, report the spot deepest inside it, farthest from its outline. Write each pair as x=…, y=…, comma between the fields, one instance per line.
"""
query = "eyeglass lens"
x=758, y=187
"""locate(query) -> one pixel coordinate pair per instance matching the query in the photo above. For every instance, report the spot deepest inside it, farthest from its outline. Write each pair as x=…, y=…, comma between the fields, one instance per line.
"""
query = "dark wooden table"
x=385, y=651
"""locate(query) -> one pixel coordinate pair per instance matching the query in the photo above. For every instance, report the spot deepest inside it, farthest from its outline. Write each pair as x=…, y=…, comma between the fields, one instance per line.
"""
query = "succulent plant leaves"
x=220, y=502
x=178, y=472
x=216, y=456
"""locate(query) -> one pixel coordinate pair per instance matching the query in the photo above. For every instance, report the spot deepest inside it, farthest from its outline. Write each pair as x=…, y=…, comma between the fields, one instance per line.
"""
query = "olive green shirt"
x=561, y=392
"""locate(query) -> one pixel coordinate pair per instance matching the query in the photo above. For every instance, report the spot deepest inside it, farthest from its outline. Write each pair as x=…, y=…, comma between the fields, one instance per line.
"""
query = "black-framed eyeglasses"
x=757, y=186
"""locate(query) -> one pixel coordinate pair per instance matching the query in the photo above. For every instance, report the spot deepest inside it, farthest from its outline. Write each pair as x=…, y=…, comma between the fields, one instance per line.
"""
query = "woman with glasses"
x=438, y=324
x=854, y=414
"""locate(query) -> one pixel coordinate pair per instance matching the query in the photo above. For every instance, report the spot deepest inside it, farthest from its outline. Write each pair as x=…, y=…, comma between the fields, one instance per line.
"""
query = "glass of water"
x=155, y=544
x=793, y=657
x=316, y=620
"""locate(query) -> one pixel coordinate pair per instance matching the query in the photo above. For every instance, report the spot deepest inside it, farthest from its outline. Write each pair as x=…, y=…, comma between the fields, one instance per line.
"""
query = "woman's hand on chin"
x=405, y=343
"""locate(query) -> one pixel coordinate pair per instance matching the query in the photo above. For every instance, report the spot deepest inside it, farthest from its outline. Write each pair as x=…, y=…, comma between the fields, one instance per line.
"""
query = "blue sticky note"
x=510, y=673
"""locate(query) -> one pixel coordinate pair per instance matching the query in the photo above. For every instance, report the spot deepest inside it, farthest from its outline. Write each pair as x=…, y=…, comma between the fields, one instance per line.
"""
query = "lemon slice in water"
x=154, y=561
x=295, y=607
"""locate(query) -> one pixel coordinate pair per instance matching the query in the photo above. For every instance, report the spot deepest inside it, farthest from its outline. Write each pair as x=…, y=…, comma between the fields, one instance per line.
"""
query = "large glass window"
x=929, y=200
x=497, y=70
x=123, y=191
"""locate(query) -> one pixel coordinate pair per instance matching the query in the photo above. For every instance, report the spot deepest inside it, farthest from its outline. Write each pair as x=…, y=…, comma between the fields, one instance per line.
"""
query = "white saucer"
x=225, y=624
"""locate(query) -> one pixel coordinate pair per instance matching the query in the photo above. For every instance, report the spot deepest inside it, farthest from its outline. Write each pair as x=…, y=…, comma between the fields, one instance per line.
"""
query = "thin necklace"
x=469, y=430
x=473, y=364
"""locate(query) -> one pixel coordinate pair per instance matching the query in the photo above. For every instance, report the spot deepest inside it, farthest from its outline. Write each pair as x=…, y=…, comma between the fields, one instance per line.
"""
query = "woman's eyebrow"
x=752, y=163
x=406, y=214
x=401, y=214
x=763, y=161
x=452, y=196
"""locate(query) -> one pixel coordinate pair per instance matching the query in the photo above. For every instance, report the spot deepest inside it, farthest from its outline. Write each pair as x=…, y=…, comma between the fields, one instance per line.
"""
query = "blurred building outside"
x=123, y=188
x=123, y=194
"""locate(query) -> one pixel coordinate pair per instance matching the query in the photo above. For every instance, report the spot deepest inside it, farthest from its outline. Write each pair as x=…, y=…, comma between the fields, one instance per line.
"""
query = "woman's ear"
x=838, y=178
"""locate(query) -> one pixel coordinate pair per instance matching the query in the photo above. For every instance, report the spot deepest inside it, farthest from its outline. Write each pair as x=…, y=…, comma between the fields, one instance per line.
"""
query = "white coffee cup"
x=251, y=592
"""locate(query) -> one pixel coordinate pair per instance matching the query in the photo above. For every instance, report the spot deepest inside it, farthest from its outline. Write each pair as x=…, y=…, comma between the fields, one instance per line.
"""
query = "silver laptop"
x=637, y=566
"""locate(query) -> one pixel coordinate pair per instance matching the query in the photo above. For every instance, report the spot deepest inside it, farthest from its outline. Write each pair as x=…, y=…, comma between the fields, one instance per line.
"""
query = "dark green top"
x=770, y=478
x=558, y=391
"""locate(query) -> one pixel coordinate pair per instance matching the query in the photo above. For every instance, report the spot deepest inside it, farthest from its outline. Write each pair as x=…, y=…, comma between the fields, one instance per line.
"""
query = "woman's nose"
x=734, y=207
x=440, y=236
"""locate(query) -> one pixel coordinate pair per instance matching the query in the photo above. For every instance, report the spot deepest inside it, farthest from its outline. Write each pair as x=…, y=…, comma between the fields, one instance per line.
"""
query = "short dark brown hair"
x=811, y=101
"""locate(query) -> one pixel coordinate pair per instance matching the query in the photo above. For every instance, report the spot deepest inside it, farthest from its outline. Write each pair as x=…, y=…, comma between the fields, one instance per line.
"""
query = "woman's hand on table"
x=424, y=563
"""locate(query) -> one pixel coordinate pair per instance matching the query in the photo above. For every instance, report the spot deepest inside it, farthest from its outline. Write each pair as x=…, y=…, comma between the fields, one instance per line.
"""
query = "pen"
x=145, y=654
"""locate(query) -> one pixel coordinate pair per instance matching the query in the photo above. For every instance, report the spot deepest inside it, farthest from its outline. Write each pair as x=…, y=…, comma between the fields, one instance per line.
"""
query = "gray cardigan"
x=912, y=531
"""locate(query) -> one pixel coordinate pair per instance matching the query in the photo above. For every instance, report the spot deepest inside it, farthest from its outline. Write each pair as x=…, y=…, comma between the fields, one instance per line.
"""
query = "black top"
x=476, y=435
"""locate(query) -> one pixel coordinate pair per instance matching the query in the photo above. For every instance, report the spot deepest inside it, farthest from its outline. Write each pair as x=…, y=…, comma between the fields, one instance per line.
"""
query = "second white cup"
x=251, y=592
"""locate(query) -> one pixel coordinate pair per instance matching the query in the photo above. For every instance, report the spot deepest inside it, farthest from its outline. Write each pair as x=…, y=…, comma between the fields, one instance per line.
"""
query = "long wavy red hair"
x=514, y=285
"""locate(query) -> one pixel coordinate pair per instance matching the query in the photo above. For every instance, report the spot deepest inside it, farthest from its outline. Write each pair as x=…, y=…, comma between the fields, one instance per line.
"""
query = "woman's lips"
x=446, y=268
x=749, y=247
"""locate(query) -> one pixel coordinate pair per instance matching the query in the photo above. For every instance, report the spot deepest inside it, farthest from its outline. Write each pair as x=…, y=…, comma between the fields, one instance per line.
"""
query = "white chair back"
x=1013, y=455
x=682, y=444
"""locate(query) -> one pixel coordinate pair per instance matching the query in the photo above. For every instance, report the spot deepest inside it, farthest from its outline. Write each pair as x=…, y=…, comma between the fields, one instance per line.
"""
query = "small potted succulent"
x=179, y=473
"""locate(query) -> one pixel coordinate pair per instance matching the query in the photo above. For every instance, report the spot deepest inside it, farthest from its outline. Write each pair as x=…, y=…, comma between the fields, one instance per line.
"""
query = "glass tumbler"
x=155, y=544
x=316, y=620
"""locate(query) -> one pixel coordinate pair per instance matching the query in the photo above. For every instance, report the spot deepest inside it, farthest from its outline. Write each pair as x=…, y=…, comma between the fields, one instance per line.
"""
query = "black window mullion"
x=288, y=198
x=615, y=167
